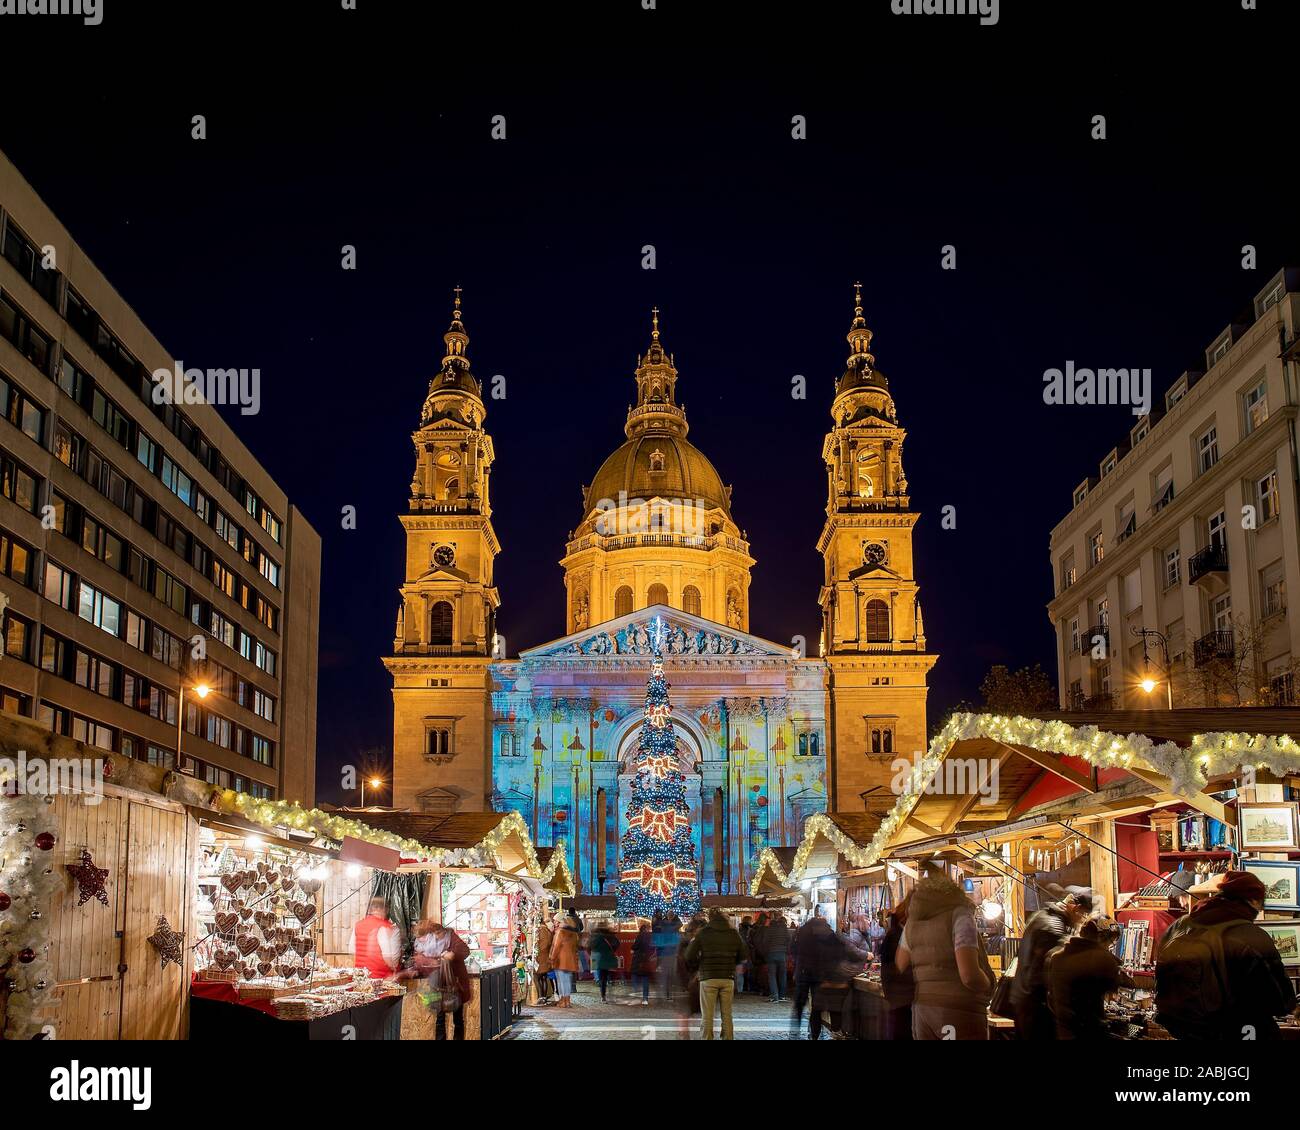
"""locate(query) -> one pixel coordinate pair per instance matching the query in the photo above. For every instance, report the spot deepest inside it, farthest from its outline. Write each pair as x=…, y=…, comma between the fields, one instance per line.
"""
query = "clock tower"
x=446, y=615
x=873, y=635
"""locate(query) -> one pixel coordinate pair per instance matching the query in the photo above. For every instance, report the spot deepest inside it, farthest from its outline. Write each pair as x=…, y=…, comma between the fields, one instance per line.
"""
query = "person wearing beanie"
x=1218, y=975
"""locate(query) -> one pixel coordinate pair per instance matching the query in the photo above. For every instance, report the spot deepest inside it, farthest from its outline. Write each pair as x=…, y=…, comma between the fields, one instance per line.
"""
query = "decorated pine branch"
x=657, y=870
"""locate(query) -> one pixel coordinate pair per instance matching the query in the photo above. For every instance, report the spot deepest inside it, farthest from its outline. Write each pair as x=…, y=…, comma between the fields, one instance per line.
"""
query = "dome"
x=686, y=474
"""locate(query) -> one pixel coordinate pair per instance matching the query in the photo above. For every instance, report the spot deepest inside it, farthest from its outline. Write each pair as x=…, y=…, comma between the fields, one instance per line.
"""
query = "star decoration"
x=90, y=879
x=167, y=941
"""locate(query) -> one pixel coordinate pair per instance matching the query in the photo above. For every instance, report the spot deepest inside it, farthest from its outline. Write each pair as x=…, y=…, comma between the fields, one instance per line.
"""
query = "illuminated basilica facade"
x=766, y=736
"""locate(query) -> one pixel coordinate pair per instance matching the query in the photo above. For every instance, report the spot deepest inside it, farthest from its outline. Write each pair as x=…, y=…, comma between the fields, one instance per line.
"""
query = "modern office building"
x=144, y=551
x=1188, y=529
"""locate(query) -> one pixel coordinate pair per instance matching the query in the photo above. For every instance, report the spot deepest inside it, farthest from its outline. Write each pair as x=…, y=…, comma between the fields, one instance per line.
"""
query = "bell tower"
x=873, y=635
x=446, y=615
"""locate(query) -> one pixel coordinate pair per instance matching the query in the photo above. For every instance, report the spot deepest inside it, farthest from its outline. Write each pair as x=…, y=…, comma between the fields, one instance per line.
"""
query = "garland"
x=1189, y=770
x=559, y=864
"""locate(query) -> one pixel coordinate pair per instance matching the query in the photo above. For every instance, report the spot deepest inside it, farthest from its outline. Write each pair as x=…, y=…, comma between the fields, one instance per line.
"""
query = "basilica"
x=767, y=735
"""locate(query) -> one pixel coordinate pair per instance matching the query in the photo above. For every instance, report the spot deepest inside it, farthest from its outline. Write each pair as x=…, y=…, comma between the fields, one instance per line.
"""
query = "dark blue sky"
x=1118, y=253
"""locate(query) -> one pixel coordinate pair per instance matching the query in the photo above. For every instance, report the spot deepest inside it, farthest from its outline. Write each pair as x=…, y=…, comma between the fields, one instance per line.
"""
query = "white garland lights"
x=29, y=878
x=1209, y=756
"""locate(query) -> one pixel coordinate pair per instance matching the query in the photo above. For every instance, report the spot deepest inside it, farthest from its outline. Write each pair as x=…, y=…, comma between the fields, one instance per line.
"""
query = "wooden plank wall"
x=348, y=896
x=150, y=846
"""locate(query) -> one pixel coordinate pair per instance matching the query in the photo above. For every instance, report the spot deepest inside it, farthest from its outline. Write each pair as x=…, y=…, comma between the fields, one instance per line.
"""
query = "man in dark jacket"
x=775, y=941
x=819, y=952
x=1047, y=929
x=1079, y=975
x=1218, y=975
x=714, y=952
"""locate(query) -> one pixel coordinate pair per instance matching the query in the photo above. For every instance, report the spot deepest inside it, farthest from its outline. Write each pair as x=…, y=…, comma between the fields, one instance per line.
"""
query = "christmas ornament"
x=90, y=879
x=5, y=901
x=167, y=941
x=45, y=841
x=27, y=956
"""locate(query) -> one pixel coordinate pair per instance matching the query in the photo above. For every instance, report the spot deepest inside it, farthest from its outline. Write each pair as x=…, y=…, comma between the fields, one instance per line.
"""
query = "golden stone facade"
x=766, y=735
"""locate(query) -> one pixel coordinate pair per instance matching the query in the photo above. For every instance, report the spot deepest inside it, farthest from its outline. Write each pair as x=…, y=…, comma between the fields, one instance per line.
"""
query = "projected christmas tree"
x=657, y=873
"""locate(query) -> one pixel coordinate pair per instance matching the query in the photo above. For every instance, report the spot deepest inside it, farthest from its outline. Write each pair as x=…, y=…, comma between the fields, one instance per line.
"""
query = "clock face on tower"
x=873, y=553
x=445, y=556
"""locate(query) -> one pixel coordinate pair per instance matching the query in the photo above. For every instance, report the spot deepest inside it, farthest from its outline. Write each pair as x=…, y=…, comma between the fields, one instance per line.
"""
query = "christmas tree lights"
x=657, y=870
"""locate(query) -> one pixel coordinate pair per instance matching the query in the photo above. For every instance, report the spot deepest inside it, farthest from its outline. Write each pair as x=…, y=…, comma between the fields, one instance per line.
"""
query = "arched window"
x=877, y=621
x=451, y=489
x=691, y=600
x=657, y=594
x=440, y=623
x=623, y=601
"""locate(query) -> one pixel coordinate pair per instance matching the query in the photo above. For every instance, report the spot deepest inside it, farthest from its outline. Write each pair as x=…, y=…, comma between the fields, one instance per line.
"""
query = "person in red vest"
x=376, y=942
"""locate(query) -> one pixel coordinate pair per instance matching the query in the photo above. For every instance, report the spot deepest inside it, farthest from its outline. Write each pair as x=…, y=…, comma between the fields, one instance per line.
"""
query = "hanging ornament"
x=5, y=901
x=27, y=956
x=167, y=941
x=90, y=879
x=45, y=841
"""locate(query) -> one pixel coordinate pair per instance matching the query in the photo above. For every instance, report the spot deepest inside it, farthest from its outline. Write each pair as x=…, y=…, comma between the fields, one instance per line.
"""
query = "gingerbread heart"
x=272, y=879
x=226, y=921
x=266, y=953
x=247, y=972
x=224, y=959
x=245, y=913
x=260, y=886
x=303, y=911
x=303, y=945
x=264, y=968
x=232, y=881
x=304, y=973
x=246, y=944
x=286, y=969
x=265, y=920
x=287, y=873
x=309, y=886
x=281, y=947
x=262, y=867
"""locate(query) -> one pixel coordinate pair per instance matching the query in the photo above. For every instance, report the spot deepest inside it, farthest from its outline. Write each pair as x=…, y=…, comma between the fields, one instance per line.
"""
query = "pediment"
x=874, y=573
x=685, y=637
x=444, y=573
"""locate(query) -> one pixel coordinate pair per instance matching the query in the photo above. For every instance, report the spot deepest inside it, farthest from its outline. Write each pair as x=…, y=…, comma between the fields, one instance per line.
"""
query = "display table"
x=489, y=1012
x=216, y=1016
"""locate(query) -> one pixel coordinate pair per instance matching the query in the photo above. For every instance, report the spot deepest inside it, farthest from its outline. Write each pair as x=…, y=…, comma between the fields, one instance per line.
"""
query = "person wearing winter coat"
x=775, y=940
x=945, y=954
x=604, y=955
x=564, y=958
x=1080, y=974
x=543, y=974
x=1218, y=975
x=645, y=960
x=1045, y=930
x=897, y=985
x=714, y=953
x=819, y=958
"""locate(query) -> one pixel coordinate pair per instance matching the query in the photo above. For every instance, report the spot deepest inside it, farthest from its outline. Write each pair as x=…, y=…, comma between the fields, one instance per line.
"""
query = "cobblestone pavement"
x=624, y=1017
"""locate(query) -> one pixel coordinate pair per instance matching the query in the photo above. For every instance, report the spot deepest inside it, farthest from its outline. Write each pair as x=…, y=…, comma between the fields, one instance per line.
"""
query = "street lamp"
x=1147, y=683
x=375, y=783
x=200, y=689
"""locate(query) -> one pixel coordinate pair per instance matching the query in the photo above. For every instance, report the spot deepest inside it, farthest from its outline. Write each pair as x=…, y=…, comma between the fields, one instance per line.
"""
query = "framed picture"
x=1165, y=842
x=1281, y=879
x=1286, y=936
x=1267, y=825
x=1191, y=832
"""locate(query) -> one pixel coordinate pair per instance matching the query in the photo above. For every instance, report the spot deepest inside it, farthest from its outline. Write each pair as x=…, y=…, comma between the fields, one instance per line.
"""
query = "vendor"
x=440, y=947
x=376, y=943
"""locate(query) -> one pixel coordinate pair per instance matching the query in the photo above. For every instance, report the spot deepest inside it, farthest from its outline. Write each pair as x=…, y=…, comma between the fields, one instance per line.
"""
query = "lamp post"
x=1148, y=684
x=539, y=748
x=200, y=689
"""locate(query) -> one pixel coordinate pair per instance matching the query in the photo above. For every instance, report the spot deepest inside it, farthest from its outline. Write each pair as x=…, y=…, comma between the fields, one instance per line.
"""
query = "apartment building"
x=1188, y=529
x=145, y=555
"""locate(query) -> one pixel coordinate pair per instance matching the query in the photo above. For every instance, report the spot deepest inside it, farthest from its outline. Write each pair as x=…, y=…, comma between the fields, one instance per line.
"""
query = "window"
x=691, y=600
x=1096, y=549
x=55, y=652
x=17, y=484
x=1103, y=612
x=1126, y=521
x=1162, y=487
x=30, y=263
x=877, y=625
x=1172, y=565
x=1221, y=613
x=60, y=585
x=1069, y=574
x=18, y=637
x=440, y=624
x=21, y=411
x=1207, y=449
x=111, y=418
x=1255, y=406
x=1142, y=430
x=1132, y=589
x=656, y=594
x=1107, y=466
x=1270, y=298
x=508, y=745
x=809, y=744
x=1080, y=493
x=1267, y=498
x=438, y=741
x=176, y=480
x=1217, y=526
x=1074, y=635
x=1220, y=349
x=1175, y=394
x=269, y=569
x=1103, y=679
x=1272, y=588
x=623, y=601
x=27, y=339
x=15, y=702
x=882, y=739
x=15, y=559
x=98, y=609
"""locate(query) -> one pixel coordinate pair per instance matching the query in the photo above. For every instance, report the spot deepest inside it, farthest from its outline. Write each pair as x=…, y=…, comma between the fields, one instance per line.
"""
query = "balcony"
x=1104, y=701
x=1102, y=630
x=1212, y=559
x=1212, y=646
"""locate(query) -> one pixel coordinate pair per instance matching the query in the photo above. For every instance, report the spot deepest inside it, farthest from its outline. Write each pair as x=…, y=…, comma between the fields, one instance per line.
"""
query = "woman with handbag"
x=440, y=955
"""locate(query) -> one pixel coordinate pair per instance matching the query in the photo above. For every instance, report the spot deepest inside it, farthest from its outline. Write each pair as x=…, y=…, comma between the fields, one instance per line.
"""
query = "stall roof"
x=985, y=771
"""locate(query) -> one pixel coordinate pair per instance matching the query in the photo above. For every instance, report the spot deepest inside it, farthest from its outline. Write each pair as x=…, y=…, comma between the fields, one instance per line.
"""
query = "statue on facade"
x=580, y=612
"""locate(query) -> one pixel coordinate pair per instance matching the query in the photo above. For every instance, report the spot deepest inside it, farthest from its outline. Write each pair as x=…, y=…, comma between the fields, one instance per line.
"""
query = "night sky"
x=652, y=128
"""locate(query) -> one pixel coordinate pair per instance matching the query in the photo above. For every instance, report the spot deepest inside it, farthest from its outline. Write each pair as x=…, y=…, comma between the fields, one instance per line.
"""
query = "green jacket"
x=604, y=950
x=716, y=951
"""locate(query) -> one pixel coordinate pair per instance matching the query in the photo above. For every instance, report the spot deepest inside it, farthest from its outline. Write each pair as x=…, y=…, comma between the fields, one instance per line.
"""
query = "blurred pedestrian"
x=897, y=985
x=543, y=975
x=1079, y=975
x=1045, y=930
x=604, y=954
x=645, y=960
x=945, y=954
x=819, y=956
x=776, y=950
x=564, y=958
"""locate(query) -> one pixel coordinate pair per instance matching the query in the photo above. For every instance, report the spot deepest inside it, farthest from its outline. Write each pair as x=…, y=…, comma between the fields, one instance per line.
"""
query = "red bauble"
x=762, y=802
x=27, y=956
x=5, y=901
x=108, y=768
x=45, y=841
